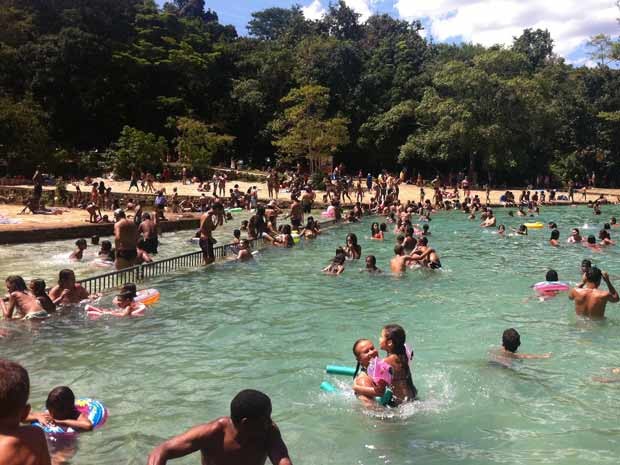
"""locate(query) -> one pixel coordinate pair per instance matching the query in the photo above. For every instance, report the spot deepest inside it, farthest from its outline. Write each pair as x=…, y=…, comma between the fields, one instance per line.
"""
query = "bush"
x=138, y=150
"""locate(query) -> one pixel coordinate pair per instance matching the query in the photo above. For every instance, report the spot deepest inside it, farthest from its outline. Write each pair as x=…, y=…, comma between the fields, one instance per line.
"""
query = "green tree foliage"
x=304, y=132
x=373, y=94
x=138, y=150
x=199, y=145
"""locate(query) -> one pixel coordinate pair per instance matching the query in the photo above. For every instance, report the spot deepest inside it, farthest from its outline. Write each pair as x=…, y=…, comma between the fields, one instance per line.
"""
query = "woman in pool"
x=605, y=237
x=555, y=238
x=364, y=387
x=501, y=230
x=374, y=231
x=284, y=239
x=575, y=237
x=352, y=249
x=392, y=340
x=336, y=267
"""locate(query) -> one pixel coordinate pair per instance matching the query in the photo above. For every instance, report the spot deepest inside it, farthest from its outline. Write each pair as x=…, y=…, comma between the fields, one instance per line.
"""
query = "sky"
x=487, y=22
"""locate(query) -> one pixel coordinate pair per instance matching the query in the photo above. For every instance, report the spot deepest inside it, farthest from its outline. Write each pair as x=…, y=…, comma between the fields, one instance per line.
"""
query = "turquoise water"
x=274, y=324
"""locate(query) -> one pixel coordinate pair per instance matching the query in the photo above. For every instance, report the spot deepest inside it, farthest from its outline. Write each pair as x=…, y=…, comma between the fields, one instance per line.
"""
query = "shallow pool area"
x=275, y=323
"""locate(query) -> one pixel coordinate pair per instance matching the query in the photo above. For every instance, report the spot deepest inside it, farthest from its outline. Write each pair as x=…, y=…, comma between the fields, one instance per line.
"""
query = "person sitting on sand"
x=37, y=289
x=20, y=301
x=78, y=253
x=590, y=301
x=61, y=411
x=363, y=385
x=392, y=341
x=511, y=340
x=19, y=445
x=247, y=437
x=68, y=292
x=336, y=267
x=371, y=265
x=554, y=240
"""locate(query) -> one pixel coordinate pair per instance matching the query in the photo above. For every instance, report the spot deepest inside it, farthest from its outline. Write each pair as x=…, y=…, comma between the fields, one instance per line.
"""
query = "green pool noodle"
x=385, y=398
x=340, y=370
x=328, y=387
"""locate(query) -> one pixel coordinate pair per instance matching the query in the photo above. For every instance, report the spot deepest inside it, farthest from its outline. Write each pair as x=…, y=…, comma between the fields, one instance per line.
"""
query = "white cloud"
x=316, y=10
x=489, y=22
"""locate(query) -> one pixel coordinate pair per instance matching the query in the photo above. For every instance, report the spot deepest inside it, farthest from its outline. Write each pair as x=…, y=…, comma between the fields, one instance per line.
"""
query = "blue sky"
x=488, y=22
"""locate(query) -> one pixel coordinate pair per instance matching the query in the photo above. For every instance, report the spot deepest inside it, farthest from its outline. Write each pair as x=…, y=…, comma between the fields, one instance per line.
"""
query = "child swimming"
x=61, y=411
x=37, y=289
x=78, y=253
x=511, y=340
x=363, y=385
x=392, y=341
x=67, y=291
x=336, y=267
x=21, y=302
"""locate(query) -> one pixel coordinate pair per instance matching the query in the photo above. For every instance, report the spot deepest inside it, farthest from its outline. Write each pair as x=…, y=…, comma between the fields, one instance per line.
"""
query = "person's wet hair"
x=511, y=340
x=17, y=283
x=399, y=249
x=555, y=234
x=106, y=245
x=38, y=286
x=94, y=240
x=552, y=275
x=131, y=288
x=250, y=404
x=80, y=242
x=14, y=388
x=424, y=241
x=606, y=226
x=591, y=239
x=61, y=401
x=594, y=275
x=373, y=260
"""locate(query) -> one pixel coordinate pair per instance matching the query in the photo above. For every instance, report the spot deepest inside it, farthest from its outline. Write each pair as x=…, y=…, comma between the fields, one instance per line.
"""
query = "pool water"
x=274, y=324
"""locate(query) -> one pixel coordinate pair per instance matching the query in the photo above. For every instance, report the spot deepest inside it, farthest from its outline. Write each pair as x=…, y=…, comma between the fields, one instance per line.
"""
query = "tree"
x=536, y=45
x=601, y=49
x=277, y=23
x=342, y=22
x=139, y=150
x=24, y=140
x=304, y=132
x=199, y=145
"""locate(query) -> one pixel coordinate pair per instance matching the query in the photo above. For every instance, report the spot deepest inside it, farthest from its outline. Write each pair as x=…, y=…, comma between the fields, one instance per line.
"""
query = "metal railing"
x=115, y=279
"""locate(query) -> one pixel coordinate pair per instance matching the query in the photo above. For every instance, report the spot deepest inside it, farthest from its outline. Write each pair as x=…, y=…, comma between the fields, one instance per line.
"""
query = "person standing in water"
x=393, y=340
x=125, y=239
x=207, y=226
x=247, y=437
x=590, y=301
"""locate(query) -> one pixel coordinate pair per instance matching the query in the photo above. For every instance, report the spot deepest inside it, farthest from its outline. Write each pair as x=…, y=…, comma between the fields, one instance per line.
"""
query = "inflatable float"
x=537, y=225
x=95, y=410
x=378, y=370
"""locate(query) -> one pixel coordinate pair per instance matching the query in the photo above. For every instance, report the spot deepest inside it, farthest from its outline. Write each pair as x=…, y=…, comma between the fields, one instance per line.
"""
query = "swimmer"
x=392, y=341
x=125, y=303
x=552, y=276
x=511, y=340
x=336, y=267
x=61, y=411
x=400, y=261
x=247, y=437
x=37, y=289
x=591, y=243
x=613, y=222
x=21, y=302
x=590, y=301
x=490, y=220
x=78, y=253
x=363, y=385
x=575, y=237
x=352, y=249
x=501, y=230
x=67, y=291
x=586, y=265
x=105, y=252
x=244, y=225
x=244, y=254
x=426, y=230
x=94, y=240
x=522, y=231
x=605, y=238
x=374, y=231
x=19, y=445
x=426, y=256
x=555, y=238
x=371, y=265
x=552, y=225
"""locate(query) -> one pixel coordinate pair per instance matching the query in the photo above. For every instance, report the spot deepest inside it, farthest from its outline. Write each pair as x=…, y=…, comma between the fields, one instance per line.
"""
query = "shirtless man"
x=426, y=255
x=590, y=301
x=296, y=214
x=399, y=263
x=307, y=199
x=247, y=437
x=490, y=221
x=148, y=229
x=67, y=291
x=125, y=239
x=207, y=226
x=19, y=445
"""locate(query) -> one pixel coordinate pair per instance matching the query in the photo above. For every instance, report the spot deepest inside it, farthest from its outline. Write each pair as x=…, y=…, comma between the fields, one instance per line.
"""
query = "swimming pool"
x=274, y=324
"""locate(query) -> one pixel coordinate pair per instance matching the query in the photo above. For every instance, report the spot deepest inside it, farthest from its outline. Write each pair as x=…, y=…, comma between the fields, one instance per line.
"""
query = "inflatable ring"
x=296, y=238
x=537, y=225
x=147, y=296
x=545, y=287
x=95, y=410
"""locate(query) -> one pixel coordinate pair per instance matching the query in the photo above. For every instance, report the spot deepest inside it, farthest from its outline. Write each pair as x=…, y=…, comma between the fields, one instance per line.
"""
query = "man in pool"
x=148, y=229
x=590, y=301
x=247, y=437
x=125, y=239
x=67, y=291
x=399, y=263
x=207, y=226
x=371, y=265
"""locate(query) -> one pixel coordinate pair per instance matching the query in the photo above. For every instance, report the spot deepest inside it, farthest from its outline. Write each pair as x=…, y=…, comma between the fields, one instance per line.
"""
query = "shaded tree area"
x=128, y=85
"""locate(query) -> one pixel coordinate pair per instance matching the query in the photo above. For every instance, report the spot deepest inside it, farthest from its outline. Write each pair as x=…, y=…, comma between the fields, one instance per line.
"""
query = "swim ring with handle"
x=95, y=410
